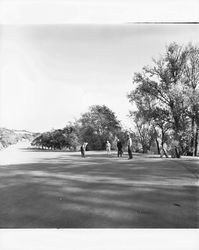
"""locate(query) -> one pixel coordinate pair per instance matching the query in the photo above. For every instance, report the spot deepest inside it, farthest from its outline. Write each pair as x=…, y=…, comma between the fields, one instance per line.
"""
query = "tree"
x=58, y=139
x=152, y=122
x=192, y=84
x=71, y=135
x=97, y=126
x=161, y=93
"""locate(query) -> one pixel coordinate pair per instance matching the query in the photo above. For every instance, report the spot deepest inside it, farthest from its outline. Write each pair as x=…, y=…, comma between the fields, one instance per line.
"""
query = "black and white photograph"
x=99, y=118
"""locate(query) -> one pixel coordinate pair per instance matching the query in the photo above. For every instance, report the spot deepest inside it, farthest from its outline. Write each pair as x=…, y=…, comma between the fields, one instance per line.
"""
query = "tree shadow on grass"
x=89, y=153
x=81, y=194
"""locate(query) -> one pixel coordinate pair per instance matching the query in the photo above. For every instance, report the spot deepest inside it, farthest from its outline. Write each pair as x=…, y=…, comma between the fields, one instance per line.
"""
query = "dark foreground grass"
x=62, y=190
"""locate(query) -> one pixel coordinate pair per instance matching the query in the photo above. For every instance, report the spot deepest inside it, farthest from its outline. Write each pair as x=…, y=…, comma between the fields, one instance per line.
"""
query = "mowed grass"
x=40, y=189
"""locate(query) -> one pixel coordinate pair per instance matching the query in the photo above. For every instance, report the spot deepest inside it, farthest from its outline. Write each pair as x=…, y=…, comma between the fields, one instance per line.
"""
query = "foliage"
x=97, y=126
x=57, y=139
x=167, y=98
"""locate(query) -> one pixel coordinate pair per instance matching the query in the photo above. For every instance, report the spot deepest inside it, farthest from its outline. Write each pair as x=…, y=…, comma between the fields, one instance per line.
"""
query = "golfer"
x=129, y=144
x=108, y=148
x=83, y=149
x=119, y=148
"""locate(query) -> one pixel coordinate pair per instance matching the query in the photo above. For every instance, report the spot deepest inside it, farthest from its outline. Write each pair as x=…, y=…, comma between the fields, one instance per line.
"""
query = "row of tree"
x=96, y=126
x=167, y=98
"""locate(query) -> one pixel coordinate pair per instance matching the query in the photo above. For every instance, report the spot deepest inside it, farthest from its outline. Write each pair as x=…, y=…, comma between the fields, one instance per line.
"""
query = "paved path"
x=44, y=189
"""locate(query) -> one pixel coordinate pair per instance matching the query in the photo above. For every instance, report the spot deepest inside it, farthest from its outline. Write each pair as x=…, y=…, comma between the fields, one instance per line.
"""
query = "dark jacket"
x=119, y=145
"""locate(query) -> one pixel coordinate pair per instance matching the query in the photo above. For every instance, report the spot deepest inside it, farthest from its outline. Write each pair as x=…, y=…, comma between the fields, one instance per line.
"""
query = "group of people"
x=129, y=145
x=108, y=148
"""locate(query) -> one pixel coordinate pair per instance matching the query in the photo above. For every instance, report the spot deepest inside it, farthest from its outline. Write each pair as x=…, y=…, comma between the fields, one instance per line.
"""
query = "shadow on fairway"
x=88, y=153
x=97, y=192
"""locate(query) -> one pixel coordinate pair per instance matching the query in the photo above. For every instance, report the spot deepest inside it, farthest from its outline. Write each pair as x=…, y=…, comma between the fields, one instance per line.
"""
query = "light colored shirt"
x=108, y=146
x=129, y=143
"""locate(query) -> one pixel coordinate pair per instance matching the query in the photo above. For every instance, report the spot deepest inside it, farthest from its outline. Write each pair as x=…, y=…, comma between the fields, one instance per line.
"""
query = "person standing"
x=108, y=148
x=119, y=148
x=129, y=144
x=83, y=149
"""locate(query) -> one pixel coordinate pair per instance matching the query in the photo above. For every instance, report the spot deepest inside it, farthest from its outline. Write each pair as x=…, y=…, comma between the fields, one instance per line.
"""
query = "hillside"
x=11, y=136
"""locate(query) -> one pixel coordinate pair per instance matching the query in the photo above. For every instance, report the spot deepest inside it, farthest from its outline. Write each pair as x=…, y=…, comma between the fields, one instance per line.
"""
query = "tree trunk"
x=193, y=136
x=158, y=146
x=156, y=139
x=196, y=142
x=177, y=153
x=176, y=134
x=162, y=144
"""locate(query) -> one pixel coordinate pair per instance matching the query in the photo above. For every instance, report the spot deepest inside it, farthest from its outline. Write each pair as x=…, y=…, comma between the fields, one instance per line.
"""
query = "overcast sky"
x=58, y=57
x=97, y=11
x=50, y=74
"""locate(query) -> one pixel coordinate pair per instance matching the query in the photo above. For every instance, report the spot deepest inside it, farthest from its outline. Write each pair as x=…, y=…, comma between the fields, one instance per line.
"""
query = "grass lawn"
x=40, y=189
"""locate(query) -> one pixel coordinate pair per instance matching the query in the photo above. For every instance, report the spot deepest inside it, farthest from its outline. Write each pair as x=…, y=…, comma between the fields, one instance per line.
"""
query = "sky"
x=96, y=11
x=54, y=66
x=51, y=74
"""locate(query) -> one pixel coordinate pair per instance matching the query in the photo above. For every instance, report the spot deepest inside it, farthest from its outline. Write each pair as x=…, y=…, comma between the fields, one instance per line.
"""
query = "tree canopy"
x=98, y=125
x=167, y=97
x=58, y=139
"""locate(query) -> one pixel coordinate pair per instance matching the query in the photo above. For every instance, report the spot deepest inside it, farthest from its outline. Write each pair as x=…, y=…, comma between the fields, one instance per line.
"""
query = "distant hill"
x=12, y=136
